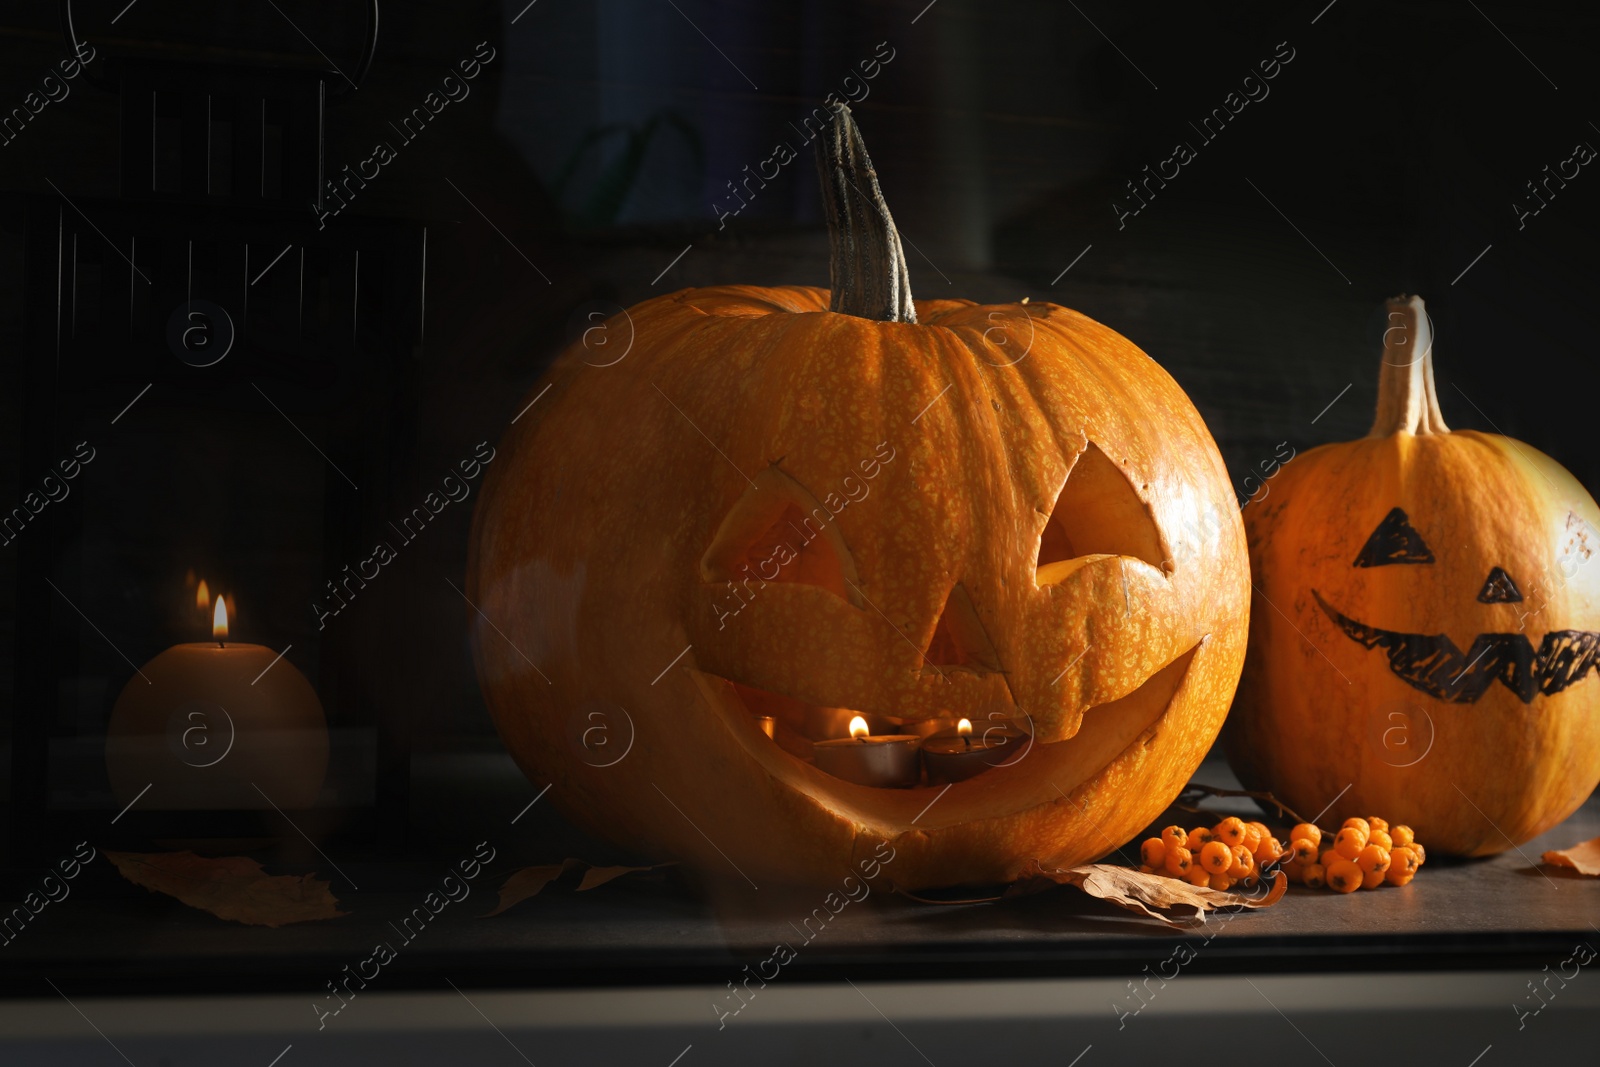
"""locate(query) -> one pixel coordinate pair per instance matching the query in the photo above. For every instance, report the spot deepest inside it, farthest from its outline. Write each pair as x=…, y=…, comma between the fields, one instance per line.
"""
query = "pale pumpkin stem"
x=867, y=267
x=1407, y=399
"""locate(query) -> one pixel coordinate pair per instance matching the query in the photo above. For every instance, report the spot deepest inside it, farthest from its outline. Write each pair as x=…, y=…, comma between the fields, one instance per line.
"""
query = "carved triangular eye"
x=1499, y=589
x=779, y=532
x=1394, y=541
x=1096, y=513
x=959, y=639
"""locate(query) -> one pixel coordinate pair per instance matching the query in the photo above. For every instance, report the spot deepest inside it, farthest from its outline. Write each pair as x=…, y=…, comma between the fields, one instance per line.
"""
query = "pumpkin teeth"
x=1106, y=729
x=1436, y=665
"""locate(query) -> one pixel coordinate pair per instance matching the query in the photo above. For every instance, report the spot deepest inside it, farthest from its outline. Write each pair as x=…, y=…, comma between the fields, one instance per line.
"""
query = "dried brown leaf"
x=1148, y=894
x=528, y=882
x=531, y=881
x=595, y=877
x=1583, y=857
x=1158, y=896
x=234, y=888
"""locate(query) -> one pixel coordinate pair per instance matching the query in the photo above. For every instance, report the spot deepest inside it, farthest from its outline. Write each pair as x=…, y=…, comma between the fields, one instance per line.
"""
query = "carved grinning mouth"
x=1106, y=730
x=1434, y=664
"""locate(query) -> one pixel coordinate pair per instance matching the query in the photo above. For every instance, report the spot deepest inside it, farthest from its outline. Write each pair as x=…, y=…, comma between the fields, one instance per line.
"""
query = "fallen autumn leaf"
x=234, y=888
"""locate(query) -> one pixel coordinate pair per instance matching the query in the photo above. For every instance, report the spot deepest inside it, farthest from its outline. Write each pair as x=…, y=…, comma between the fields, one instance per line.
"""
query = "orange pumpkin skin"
x=1477, y=769
x=590, y=566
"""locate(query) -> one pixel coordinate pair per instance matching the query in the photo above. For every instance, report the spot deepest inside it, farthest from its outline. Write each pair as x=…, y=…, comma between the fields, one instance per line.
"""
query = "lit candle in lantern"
x=205, y=724
x=955, y=755
x=870, y=759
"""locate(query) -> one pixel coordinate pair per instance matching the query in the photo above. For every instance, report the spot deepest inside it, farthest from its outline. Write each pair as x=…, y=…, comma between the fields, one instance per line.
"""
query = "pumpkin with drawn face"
x=1427, y=626
x=789, y=507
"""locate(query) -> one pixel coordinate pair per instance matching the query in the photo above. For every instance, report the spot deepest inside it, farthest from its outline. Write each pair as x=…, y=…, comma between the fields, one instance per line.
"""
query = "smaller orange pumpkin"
x=1372, y=560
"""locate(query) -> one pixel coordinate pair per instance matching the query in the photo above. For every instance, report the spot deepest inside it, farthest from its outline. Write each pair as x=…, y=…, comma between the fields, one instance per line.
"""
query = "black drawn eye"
x=1394, y=541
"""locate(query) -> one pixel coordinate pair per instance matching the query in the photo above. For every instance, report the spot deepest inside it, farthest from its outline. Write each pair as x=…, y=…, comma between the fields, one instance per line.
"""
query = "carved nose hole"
x=1498, y=588
x=959, y=639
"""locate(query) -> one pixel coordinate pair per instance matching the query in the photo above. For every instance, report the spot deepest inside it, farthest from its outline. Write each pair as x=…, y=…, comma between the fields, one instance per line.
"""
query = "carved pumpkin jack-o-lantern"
x=1438, y=625
x=779, y=512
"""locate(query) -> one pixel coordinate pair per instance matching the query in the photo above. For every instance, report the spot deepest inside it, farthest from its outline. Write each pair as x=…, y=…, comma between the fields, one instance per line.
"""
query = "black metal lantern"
x=229, y=380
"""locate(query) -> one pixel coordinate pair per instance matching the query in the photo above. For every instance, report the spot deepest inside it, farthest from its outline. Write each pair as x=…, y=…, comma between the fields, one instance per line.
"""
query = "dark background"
x=591, y=150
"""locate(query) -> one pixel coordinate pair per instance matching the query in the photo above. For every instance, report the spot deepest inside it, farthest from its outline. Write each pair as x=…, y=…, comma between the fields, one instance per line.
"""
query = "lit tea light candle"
x=888, y=760
x=204, y=724
x=955, y=755
x=822, y=723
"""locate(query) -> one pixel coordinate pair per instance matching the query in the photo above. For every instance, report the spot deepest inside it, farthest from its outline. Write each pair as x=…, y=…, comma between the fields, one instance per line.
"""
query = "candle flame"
x=858, y=727
x=219, y=620
x=202, y=596
x=964, y=728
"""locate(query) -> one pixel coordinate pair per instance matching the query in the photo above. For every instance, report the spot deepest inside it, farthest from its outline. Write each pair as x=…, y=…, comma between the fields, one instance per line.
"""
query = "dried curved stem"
x=1407, y=399
x=1198, y=789
x=866, y=265
x=952, y=903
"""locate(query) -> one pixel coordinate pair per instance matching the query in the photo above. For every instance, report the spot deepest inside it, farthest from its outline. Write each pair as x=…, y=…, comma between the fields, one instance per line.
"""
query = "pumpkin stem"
x=866, y=267
x=1407, y=400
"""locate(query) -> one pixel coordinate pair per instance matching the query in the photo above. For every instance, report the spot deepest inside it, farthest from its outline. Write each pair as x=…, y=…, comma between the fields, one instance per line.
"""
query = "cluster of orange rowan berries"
x=1365, y=853
x=1231, y=852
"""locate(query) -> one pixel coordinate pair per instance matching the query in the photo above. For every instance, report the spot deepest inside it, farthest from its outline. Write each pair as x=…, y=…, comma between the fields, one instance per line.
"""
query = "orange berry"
x=1178, y=860
x=1262, y=833
x=1243, y=865
x=1305, y=849
x=1359, y=823
x=1375, y=823
x=1153, y=853
x=1402, y=863
x=1381, y=838
x=1329, y=857
x=1221, y=882
x=1396, y=878
x=1349, y=842
x=1373, y=858
x=1252, y=839
x=1402, y=835
x=1344, y=876
x=1316, y=876
x=1198, y=837
x=1422, y=853
x=1230, y=831
x=1216, y=857
x=1268, y=851
x=1198, y=875
x=1309, y=831
x=1373, y=879
x=1145, y=868
x=1251, y=879
x=1175, y=837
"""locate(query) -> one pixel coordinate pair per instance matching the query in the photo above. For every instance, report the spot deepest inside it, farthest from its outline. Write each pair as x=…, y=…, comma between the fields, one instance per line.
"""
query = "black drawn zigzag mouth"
x=1433, y=663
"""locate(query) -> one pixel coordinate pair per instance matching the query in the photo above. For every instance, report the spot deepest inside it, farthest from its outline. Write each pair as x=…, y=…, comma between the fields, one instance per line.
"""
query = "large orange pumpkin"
x=1426, y=625
x=772, y=515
